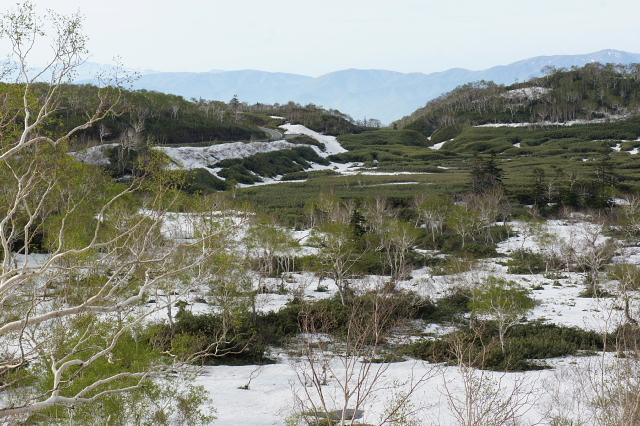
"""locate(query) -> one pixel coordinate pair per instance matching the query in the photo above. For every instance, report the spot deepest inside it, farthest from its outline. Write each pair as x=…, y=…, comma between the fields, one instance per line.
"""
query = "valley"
x=198, y=262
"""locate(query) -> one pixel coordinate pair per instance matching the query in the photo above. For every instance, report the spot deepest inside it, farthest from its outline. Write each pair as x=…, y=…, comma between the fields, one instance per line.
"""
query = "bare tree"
x=465, y=221
x=80, y=255
x=432, y=212
x=342, y=370
x=397, y=239
x=478, y=397
x=631, y=214
x=338, y=253
x=594, y=250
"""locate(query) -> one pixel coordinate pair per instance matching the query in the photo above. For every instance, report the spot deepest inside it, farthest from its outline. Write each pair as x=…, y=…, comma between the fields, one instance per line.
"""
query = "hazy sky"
x=313, y=37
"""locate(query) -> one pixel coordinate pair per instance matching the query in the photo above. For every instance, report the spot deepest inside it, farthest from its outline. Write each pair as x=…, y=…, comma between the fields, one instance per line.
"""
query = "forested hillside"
x=594, y=91
x=144, y=117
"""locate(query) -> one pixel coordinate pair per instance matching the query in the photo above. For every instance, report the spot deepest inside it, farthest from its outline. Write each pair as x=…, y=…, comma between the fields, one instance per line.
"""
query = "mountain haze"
x=385, y=95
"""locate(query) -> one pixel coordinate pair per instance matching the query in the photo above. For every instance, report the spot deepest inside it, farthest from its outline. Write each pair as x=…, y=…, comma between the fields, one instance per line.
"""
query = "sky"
x=315, y=37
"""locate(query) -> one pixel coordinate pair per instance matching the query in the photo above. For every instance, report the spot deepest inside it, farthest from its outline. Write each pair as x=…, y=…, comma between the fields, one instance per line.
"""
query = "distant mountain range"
x=385, y=95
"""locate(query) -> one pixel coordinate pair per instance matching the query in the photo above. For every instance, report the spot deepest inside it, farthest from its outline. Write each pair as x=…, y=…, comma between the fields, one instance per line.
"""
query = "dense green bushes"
x=577, y=138
x=151, y=117
x=269, y=164
x=526, y=346
x=593, y=91
x=526, y=262
x=248, y=338
x=308, y=175
x=201, y=180
x=383, y=137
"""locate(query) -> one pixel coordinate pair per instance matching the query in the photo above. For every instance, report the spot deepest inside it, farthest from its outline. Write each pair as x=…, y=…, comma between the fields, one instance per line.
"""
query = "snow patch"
x=526, y=92
x=95, y=154
x=438, y=145
x=330, y=142
x=191, y=157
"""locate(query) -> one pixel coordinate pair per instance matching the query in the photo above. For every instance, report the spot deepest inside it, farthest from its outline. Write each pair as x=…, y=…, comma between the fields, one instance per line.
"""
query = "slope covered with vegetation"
x=591, y=92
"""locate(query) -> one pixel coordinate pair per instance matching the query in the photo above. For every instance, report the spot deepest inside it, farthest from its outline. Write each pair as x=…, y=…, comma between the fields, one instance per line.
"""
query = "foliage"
x=161, y=402
x=383, y=137
x=307, y=140
x=71, y=316
x=201, y=181
x=593, y=91
x=308, y=175
x=269, y=164
x=526, y=346
x=329, y=122
x=249, y=337
x=526, y=262
x=451, y=308
x=506, y=302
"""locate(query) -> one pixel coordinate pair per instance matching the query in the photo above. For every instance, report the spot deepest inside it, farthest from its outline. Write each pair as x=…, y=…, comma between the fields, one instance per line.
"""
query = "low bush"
x=307, y=140
x=526, y=262
x=526, y=345
x=309, y=174
x=201, y=180
x=269, y=164
x=383, y=137
x=480, y=245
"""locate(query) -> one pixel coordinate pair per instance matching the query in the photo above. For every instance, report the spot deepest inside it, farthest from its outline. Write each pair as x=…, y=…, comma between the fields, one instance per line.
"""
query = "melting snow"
x=330, y=142
x=191, y=157
x=270, y=398
x=95, y=154
x=526, y=92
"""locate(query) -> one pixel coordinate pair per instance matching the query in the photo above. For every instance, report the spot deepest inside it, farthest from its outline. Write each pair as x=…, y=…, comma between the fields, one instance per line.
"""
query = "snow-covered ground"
x=191, y=157
x=330, y=142
x=270, y=399
x=438, y=145
x=95, y=155
x=271, y=396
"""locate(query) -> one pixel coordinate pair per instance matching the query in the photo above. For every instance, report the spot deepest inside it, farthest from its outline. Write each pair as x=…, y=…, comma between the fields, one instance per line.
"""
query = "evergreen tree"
x=485, y=175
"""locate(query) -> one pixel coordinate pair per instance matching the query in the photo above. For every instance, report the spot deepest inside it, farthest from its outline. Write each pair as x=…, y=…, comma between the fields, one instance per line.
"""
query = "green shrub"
x=526, y=345
x=445, y=134
x=383, y=137
x=526, y=262
x=240, y=174
x=269, y=164
x=309, y=174
x=201, y=180
x=307, y=140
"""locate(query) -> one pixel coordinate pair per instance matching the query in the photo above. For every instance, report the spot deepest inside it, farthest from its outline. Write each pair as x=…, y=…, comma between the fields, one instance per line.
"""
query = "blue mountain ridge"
x=385, y=95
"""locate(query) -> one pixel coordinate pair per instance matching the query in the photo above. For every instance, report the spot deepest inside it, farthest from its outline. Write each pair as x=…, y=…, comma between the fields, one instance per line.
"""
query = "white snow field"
x=190, y=157
x=331, y=142
x=271, y=395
